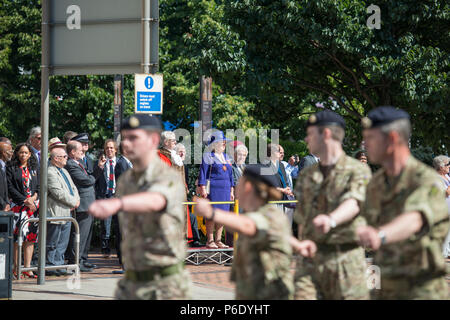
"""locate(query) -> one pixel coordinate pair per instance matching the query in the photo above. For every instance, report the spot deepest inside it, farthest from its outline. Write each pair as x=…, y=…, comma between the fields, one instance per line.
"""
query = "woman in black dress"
x=23, y=186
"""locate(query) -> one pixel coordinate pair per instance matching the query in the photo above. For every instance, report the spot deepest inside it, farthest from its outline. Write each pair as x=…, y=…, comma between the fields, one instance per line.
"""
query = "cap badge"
x=366, y=122
x=134, y=122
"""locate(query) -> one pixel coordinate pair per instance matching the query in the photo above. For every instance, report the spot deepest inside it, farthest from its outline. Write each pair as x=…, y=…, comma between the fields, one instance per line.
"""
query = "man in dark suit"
x=85, y=184
x=105, y=188
x=4, y=198
x=5, y=156
x=86, y=159
x=35, y=141
x=307, y=161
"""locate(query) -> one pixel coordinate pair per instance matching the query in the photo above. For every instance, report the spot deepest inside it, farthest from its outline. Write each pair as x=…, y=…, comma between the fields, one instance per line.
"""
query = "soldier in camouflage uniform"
x=263, y=252
x=149, y=203
x=330, y=194
x=406, y=212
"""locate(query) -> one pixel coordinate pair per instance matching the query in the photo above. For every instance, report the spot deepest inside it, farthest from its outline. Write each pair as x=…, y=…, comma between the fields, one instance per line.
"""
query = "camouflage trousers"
x=332, y=276
x=173, y=287
x=279, y=289
x=412, y=289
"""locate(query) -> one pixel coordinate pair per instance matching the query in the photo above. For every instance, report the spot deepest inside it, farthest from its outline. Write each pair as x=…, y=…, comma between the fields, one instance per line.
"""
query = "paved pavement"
x=210, y=282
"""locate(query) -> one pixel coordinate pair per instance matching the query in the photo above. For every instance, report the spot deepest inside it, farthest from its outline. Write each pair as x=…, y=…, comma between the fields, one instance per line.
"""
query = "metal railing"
x=20, y=269
x=236, y=207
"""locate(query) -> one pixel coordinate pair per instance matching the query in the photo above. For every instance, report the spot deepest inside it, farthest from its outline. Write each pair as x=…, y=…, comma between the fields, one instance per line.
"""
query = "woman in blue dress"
x=217, y=168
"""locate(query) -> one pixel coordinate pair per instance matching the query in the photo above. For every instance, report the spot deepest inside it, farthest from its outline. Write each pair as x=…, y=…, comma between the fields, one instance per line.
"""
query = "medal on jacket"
x=224, y=167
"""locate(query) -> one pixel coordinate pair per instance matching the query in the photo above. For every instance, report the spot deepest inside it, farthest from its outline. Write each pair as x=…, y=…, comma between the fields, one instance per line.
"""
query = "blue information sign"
x=148, y=93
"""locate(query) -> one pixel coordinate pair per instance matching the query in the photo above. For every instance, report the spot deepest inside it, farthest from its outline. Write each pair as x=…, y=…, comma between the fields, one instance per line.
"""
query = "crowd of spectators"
x=75, y=180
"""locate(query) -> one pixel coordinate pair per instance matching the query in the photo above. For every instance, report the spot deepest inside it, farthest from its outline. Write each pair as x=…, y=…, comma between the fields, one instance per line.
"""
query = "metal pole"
x=145, y=64
x=118, y=104
x=154, y=36
x=236, y=212
x=45, y=60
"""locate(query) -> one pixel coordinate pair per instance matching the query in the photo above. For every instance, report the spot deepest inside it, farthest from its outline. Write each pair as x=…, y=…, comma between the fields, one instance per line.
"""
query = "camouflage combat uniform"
x=261, y=264
x=338, y=269
x=153, y=247
x=413, y=268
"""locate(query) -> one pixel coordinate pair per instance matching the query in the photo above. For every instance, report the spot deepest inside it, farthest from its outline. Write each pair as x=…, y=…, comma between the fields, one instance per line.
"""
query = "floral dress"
x=22, y=213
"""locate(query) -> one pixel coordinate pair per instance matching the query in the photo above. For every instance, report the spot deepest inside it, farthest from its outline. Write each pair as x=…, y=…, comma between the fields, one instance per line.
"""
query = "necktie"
x=111, y=178
x=81, y=166
x=67, y=181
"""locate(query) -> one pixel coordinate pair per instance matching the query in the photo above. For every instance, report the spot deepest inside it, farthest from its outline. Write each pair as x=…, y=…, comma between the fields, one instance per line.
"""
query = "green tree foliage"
x=272, y=62
x=302, y=52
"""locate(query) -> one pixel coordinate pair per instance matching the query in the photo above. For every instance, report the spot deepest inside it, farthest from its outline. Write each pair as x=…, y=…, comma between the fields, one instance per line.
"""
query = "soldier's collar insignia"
x=134, y=122
x=313, y=118
x=366, y=123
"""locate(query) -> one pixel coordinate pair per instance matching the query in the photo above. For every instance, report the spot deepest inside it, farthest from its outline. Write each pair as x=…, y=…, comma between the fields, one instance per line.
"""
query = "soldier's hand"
x=322, y=223
x=203, y=208
x=103, y=209
x=368, y=237
x=306, y=248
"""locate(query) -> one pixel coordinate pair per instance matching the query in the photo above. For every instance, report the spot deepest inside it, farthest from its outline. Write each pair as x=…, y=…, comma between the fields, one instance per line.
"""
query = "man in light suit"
x=85, y=184
x=62, y=198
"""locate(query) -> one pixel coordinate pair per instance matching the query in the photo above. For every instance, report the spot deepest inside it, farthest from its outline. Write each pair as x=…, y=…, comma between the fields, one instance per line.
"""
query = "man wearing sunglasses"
x=35, y=140
x=62, y=198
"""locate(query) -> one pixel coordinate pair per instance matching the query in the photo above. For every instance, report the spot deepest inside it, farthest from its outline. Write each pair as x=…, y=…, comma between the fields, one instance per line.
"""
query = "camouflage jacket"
x=417, y=188
x=153, y=239
x=261, y=263
x=318, y=195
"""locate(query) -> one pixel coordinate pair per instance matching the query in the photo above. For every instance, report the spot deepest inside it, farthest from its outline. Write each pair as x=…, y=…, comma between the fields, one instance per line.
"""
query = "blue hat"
x=326, y=117
x=383, y=115
x=82, y=137
x=217, y=136
x=142, y=121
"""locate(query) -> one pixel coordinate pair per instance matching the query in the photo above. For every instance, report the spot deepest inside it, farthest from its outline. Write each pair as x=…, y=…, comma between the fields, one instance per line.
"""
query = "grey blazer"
x=60, y=201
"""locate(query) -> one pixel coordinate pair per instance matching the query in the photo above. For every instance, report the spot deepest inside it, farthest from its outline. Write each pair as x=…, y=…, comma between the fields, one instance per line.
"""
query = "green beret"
x=326, y=117
x=257, y=172
x=141, y=121
x=383, y=115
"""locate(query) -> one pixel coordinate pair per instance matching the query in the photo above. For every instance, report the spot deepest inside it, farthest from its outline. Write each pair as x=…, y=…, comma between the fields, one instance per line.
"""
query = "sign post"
x=81, y=37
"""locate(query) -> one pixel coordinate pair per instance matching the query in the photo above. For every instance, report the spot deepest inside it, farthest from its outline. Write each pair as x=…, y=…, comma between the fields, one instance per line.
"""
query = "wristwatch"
x=332, y=222
x=382, y=236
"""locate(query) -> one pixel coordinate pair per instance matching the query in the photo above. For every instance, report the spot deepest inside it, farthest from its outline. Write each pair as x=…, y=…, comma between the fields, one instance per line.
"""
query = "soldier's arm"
x=346, y=211
x=143, y=202
x=401, y=228
x=231, y=221
x=306, y=248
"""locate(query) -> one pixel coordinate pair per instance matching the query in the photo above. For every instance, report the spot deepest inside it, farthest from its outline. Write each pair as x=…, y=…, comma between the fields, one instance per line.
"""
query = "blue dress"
x=221, y=176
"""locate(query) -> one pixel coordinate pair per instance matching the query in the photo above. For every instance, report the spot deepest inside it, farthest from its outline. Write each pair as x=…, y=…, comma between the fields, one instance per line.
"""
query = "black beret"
x=326, y=117
x=383, y=115
x=82, y=137
x=261, y=173
x=142, y=121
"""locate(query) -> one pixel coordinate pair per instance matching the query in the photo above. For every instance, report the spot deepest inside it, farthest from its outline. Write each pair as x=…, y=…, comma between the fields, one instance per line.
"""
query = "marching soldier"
x=262, y=258
x=406, y=212
x=330, y=194
x=149, y=203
